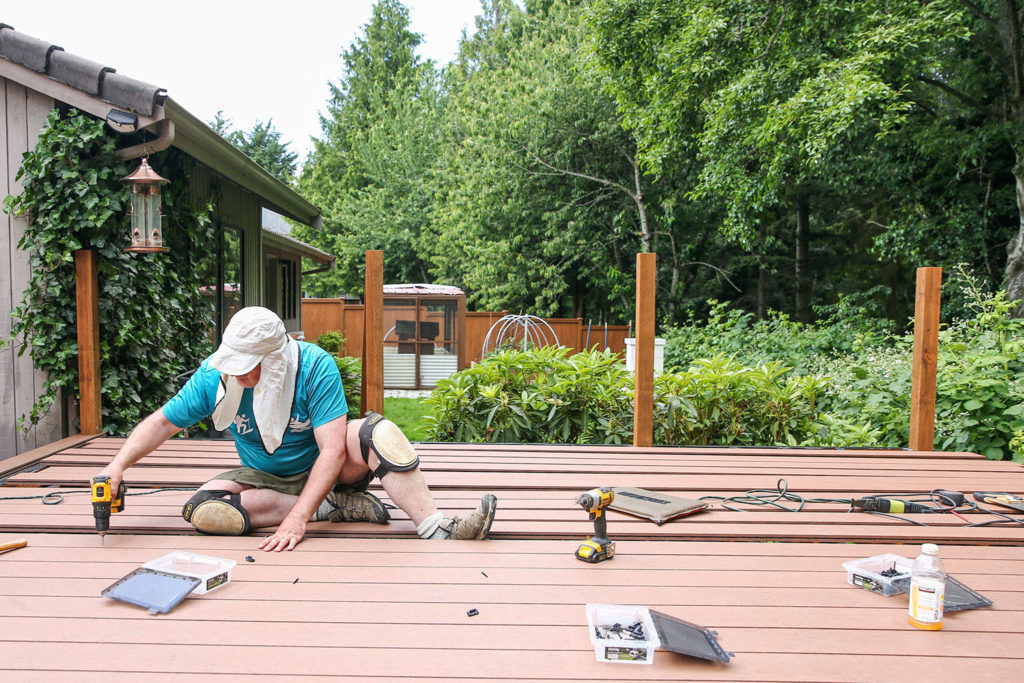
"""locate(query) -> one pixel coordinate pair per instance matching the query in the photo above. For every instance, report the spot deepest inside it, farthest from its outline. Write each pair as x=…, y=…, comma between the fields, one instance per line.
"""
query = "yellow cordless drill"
x=105, y=503
x=596, y=548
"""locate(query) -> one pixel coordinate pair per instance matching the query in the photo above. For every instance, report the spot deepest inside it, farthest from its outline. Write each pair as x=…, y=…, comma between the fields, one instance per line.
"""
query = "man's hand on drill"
x=115, y=473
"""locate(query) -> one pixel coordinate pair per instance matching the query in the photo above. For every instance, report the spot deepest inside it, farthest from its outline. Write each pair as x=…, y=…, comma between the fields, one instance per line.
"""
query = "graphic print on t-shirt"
x=242, y=423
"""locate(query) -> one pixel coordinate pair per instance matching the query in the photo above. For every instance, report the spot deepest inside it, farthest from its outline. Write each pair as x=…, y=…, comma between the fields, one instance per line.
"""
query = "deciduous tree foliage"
x=829, y=103
x=539, y=200
x=545, y=203
x=780, y=155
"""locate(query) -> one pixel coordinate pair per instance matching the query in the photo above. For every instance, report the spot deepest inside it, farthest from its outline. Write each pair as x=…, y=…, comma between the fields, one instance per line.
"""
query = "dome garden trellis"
x=518, y=328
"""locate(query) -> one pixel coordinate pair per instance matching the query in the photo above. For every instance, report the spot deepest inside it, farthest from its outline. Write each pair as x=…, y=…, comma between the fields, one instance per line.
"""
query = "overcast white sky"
x=257, y=59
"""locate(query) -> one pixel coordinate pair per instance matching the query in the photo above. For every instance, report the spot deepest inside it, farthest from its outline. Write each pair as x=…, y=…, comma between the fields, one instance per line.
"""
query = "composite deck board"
x=525, y=498
x=540, y=450
x=689, y=464
x=373, y=603
x=556, y=518
x=376, y=617
x=709, y=479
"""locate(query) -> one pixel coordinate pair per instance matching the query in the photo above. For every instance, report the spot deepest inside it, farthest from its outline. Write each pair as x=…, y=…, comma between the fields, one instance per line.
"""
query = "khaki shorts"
x=291, y=485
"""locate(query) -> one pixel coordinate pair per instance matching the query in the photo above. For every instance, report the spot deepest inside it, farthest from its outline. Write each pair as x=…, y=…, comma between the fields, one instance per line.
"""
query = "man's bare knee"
x=225, y=485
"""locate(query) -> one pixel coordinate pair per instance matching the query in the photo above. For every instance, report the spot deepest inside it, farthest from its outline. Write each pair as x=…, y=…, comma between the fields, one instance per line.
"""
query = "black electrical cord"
x=772, y=497
x=1005, y=518
x=57, y=497
x=944, y=501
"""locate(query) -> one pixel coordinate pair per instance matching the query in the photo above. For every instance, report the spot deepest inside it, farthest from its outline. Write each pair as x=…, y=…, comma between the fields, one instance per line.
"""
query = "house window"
x=222, y=277
x=281, y=287
x=289, y=289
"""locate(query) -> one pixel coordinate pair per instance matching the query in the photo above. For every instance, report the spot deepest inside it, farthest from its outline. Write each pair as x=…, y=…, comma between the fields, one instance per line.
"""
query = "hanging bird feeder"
x=147, y=232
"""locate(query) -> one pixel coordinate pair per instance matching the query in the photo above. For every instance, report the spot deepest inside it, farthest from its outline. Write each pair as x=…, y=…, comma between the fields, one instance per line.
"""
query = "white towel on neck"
x=257, y=333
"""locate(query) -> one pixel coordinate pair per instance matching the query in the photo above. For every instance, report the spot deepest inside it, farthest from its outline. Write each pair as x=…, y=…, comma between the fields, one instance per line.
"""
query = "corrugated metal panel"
x=435, y=368
x=399, y=370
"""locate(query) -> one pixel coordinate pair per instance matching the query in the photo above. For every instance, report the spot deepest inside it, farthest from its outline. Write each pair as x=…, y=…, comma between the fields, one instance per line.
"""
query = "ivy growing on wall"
x=154, y=321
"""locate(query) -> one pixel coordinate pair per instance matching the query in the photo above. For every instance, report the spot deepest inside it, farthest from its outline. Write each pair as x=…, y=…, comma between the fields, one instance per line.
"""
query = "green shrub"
x=718, y=401
x=870, y=388
x=540, y=395
x=331, y=342
x=351, y=370
x=981, y=359
x=546, y=396
x=1017, y=445
x=978, y=394
x=751, y=342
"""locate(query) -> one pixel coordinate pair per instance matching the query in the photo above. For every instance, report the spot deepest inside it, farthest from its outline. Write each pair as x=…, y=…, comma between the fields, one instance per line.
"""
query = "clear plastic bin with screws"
x=887, y=574
x=623, y=634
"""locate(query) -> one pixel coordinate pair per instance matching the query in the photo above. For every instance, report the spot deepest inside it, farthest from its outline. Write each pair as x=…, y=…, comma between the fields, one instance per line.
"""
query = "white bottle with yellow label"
x=927, y=589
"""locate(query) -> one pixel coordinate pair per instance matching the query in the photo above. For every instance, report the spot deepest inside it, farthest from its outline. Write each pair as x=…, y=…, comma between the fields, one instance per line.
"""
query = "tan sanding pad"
x=652, y=505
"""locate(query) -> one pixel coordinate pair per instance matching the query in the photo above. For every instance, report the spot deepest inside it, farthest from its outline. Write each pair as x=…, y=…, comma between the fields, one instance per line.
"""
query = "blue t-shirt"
x=319, y=398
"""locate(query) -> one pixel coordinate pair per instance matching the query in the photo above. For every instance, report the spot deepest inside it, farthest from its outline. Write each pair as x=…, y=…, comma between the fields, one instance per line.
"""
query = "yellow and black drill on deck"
x=105, y=503
x=598, y=547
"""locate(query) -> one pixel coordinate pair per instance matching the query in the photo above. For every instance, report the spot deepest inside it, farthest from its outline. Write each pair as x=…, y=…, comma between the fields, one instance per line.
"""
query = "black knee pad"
x=216, y=512
x=394, y=452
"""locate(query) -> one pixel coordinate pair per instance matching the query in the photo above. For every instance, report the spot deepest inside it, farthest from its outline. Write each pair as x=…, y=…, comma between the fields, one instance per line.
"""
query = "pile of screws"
x=892, y=572
x=634, y=631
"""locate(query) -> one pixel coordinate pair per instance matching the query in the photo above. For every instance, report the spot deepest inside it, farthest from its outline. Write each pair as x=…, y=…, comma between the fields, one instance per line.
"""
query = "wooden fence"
x=335, y=315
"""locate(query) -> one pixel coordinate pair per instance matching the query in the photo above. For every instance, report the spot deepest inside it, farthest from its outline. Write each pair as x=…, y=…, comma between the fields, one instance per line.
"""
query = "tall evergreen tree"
x=262, y=143
x=369, y=170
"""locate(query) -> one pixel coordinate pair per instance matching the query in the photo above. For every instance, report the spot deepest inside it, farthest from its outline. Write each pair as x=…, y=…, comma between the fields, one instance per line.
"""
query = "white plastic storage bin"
x=611, y=636
x=212, y=572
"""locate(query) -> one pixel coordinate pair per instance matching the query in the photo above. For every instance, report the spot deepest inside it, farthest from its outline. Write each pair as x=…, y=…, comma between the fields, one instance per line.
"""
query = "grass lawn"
x=407, y=414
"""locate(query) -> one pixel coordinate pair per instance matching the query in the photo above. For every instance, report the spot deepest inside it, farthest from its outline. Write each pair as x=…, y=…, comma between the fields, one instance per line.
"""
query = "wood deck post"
x=926, y=352
x=643, y=367
x=372, y=394
x=461, y=340
x=88, y=321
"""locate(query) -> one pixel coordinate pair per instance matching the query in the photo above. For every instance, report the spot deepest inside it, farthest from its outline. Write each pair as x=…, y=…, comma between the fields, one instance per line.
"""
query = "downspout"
x=162, y=142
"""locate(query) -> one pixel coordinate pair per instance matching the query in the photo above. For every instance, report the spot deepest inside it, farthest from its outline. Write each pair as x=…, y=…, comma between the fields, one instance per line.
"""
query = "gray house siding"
x=23, y=114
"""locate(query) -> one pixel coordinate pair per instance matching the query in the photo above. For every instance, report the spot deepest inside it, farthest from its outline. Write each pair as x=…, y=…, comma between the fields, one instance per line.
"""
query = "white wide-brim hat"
x=252, y=334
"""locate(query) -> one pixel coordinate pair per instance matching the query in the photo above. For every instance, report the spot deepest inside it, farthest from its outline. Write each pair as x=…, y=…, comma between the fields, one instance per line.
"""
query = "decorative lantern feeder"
x=147, y=234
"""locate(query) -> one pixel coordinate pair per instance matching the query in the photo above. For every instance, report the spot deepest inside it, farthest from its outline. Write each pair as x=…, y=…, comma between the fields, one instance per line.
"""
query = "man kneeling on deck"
x=302, y=460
